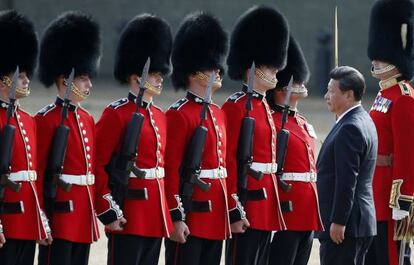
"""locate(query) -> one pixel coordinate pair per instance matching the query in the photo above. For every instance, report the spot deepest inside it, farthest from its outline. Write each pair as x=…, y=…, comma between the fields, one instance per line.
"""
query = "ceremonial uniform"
x=200, y=44
x=392, y=113
x=74, y=212
x=145, y=206
x=21, y=215
x=294, y=245
x=263, y=205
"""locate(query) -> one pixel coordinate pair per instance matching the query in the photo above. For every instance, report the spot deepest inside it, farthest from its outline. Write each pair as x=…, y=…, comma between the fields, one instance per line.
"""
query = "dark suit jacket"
x=346, y=164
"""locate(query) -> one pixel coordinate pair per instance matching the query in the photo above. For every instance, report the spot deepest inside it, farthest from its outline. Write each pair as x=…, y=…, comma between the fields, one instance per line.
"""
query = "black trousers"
x=351, y=251
x=63, y=252
x=248, y=248
x=133, y=250
x=378, y=252
x=196, y=251
x=17, y=252
x=291, y=248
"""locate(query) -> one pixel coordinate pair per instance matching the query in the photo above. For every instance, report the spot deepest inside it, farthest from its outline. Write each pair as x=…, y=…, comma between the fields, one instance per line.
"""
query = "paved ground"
x=105, y=92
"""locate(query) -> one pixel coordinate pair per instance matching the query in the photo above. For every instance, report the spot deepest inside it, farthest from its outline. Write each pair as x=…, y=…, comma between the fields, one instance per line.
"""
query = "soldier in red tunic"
x=22, y=220
x=300, y=205
x=145, y=205
x=72, y=40
x=391, y=50
x=198, y=52
x=269, y=52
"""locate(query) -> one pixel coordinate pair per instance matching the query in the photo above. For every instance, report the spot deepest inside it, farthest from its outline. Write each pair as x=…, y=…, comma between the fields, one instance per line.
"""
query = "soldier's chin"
x=22, y=92
x=217, y=85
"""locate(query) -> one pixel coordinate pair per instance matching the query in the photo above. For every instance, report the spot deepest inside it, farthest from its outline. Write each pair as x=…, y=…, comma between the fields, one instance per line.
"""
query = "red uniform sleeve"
x=177, y=137
x=402, y=119
x=234, y=117
x=108, y=132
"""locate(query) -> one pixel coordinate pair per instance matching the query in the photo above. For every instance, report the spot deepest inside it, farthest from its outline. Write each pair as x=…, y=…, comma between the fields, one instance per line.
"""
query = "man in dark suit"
x=345, y=166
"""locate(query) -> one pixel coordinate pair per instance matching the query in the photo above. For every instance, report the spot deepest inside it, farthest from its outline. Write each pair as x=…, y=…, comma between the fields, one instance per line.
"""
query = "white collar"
x=348, y=110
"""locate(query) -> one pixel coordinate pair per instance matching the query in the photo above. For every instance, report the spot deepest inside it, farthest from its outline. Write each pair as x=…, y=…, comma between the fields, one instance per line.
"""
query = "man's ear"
x=133, y=79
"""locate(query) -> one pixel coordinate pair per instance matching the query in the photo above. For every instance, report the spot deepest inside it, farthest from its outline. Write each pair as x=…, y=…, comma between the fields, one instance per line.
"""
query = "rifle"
x=54, y=171
x=123, y=163
x=191, y=167
x=245, y=144
x=282, y=142
x=6, y=143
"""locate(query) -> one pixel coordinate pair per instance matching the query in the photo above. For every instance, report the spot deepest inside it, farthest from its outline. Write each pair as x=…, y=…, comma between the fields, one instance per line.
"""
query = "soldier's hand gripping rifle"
x=57, y=153
x=191, y=166
x=245, y=144
x=123, y=164
x=6, y=143
x=282, y=141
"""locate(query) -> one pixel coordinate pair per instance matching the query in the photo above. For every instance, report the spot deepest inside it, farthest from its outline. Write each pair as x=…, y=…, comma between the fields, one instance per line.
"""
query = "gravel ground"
x=105, y=92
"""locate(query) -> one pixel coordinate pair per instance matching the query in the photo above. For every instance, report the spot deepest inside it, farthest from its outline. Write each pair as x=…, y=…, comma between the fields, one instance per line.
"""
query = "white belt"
x=24, y=175
x=151, y=173
x=81, y=180
x=216, y=173
x=305, y=177
x=266, y=168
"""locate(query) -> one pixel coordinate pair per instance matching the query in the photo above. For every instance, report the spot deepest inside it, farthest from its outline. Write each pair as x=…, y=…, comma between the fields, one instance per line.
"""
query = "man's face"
x=335, y=98
x=22, y=85
x=84, y=84
x=377, y=65
x=269, y=81
x=156, y=80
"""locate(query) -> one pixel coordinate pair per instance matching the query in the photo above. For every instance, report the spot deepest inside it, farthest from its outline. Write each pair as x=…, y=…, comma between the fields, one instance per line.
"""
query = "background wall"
x=306, y=17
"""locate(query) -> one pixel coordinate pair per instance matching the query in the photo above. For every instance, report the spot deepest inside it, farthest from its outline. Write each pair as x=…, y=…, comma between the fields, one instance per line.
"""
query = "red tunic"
x=300, y=158
x=27, y=225
x=262, y=214
x=182, y=119
x=144, y=217
x=393, y=115
x=80, y=225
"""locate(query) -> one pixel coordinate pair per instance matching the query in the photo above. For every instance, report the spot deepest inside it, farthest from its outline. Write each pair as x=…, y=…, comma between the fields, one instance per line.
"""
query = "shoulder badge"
x=118, y=103
x=405, y=90
x=381, y=104
x=236, y=96
x=178, y=104
x=46, y=109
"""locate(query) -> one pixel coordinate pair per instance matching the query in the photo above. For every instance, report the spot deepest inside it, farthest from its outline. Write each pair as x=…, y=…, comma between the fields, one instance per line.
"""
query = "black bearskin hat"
x=261, y=35
x=19, y=45
x=71, y=40
x=391, y=34
x=144, y=36
x=199, y=45
x=296, y=66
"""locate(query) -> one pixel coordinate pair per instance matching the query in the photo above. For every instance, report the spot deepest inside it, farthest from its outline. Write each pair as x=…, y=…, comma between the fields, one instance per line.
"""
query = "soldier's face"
x=84, y=85
x=265, y=78
x=377, y=65
x=155, y=80
x=22, y=87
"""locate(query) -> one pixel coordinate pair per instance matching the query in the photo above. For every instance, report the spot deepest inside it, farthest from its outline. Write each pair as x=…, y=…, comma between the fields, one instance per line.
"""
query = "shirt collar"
x=347, y=111
x=59, y=102
x=193, y=97
x=133, y=98
x=255, y=93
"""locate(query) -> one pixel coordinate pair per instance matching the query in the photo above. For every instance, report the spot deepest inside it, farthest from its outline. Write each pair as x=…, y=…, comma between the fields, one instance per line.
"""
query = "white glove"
x=398, y=214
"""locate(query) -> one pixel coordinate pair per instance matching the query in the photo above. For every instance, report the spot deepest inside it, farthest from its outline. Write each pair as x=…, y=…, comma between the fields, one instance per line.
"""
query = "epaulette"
x=405, y=90
x=46, y=109
x=236, y=96
x=177, y=105
x=118, y=103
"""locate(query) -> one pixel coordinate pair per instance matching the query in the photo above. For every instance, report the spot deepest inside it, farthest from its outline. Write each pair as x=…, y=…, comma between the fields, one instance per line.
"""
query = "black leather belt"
x=201, y=206
x=137, y=194
x=286, y=206
x=256, y=195
x=11, y=207
x=63, y=206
